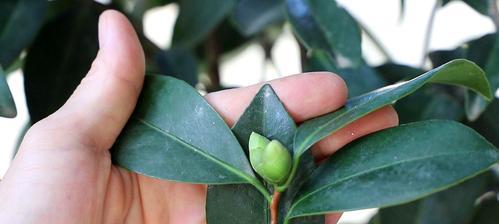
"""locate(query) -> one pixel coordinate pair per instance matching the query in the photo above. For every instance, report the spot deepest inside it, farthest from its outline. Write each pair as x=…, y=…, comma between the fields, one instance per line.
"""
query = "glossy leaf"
x=395, y=166
x=197, y=18
x=429, y=102
x=267, y=116
x=458, y=72
x=322, y=24
x=7, y=106
x=175, y=134
x=57, y=61
x=237, y=204
x=252, y=16
x=487, y=124
x=482, y=51
x=475, y=104
x=20, y=20
x=455, y=205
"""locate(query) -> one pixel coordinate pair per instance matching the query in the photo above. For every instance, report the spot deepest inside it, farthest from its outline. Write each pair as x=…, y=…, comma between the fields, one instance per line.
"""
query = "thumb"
x=102, y=103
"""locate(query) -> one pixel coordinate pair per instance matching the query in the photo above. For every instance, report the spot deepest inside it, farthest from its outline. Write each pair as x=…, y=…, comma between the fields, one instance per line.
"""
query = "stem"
x=260, y=188
x=274, y=207
x=303, y=54
x=376, y=41
x=212, y=51
x=427, y=39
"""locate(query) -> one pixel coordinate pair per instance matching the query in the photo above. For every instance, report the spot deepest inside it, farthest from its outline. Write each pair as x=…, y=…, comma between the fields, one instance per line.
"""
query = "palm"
x=156, y=201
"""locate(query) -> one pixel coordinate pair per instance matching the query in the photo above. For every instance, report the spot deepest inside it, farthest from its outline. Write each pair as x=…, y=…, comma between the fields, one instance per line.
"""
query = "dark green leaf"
x=197, y=18
x=475, y=104
x=482, y=51
x=7, y=106
x=395, y=166
x=455, y=205
x=359, y=80
x=179, y=63
x=20, y=20
x=322, y=24
x=458, y=72
x=488, y=124
x=267, y=116
x=236, y=204
x=252, y=16
x=59, y=57
x=175, y=134
x=429, y=102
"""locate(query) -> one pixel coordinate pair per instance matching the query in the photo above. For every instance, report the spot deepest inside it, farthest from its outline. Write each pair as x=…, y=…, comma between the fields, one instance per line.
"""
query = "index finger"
x=305, y=96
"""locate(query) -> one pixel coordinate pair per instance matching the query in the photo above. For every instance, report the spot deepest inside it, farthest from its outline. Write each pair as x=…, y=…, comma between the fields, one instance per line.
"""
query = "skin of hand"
x=63, y=172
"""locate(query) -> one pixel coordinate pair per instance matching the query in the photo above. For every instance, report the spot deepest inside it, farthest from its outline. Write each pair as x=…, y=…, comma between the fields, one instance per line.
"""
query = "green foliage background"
x=55, y=42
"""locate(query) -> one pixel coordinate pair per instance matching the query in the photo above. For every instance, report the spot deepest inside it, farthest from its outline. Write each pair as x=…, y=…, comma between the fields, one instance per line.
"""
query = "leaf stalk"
x=274, y=207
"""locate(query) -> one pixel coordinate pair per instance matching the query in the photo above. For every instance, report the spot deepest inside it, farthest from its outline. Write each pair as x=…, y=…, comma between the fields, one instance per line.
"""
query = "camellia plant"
x=261, y=171
x=175, y=135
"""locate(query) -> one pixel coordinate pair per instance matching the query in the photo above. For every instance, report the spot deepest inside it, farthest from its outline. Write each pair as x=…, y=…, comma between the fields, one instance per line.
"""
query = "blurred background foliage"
x=54, y=43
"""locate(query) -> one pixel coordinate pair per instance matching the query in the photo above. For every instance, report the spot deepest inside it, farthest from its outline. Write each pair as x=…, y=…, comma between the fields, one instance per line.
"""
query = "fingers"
x=333, y=218
x=383, y=118
x=103, y=102
x=304, y=96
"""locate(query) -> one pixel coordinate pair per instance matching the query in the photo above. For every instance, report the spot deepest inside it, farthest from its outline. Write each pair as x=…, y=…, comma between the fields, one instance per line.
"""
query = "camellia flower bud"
x=270, y=159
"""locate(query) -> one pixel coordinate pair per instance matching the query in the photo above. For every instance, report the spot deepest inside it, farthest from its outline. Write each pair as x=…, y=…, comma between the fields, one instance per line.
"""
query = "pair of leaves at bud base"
x=174, y=134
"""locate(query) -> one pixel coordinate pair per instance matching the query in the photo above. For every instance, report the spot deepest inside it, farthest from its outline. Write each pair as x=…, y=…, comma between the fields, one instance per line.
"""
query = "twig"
x=213, y=62
x=429, y=28
x=274, y=207
x=377, y=43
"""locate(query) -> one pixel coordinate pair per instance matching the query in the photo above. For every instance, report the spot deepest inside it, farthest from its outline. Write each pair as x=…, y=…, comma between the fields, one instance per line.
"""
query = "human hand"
x=63, y=172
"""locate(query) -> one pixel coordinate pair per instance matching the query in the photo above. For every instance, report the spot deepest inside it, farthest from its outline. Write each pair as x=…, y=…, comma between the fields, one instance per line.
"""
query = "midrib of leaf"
x=215, y=160
x=339, y=181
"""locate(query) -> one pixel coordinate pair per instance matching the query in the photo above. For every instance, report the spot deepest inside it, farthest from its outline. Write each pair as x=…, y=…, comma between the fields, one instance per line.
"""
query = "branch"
x=377, y=43
x=429, y=28
x=212, y=52
x=274, y=207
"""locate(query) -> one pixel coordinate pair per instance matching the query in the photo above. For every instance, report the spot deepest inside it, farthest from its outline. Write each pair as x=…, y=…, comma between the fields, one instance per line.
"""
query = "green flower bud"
x=270, y=159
